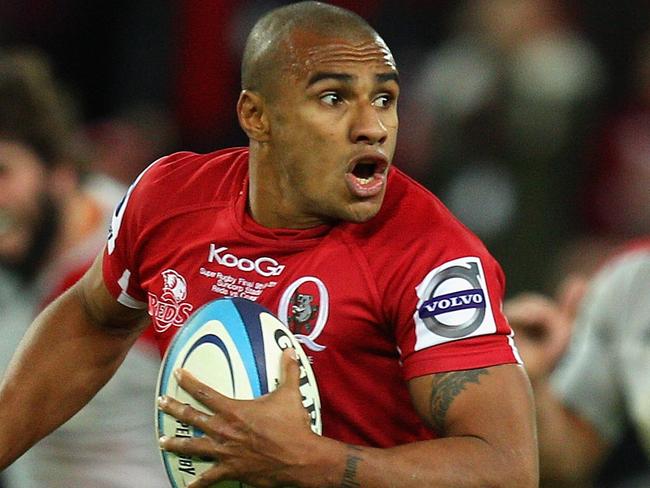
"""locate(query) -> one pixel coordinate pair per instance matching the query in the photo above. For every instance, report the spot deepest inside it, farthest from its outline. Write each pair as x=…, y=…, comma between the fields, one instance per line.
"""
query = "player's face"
x=334, y=127
x=22, y=190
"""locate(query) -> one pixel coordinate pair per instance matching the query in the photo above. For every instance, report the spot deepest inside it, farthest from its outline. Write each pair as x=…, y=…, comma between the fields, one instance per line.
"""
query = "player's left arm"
x=487, y=435
x=485, y=418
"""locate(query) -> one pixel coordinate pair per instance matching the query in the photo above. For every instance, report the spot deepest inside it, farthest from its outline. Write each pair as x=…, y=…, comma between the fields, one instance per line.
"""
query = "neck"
x=270, y=201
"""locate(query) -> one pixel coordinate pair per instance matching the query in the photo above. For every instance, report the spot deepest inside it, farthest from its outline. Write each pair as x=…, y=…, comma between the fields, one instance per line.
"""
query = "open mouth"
x=367, y=176
x=364, y=171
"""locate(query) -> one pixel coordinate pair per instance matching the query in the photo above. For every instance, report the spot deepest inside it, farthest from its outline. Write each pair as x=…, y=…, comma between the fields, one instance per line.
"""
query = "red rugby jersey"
x=410, y=292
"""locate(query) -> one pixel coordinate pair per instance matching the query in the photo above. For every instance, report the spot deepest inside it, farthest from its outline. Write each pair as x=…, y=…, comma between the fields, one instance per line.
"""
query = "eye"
x=384, y=100
x=331, y=98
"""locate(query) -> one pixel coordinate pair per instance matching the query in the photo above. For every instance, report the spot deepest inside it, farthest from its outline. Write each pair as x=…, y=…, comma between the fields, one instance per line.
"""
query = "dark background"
x=535, y=177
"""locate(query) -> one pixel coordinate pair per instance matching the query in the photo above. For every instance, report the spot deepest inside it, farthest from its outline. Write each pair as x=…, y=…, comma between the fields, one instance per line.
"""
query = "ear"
x=252, y=116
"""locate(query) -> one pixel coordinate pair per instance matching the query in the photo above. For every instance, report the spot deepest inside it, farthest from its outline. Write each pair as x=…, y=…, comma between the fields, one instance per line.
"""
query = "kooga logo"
x=264, y=266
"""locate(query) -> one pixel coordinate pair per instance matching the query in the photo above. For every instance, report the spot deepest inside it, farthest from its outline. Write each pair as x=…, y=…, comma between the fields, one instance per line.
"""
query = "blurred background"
x=530, y=119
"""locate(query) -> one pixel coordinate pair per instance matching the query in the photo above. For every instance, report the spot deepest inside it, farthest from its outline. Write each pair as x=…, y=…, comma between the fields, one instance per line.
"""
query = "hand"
x=259, y=442
x=543, y=326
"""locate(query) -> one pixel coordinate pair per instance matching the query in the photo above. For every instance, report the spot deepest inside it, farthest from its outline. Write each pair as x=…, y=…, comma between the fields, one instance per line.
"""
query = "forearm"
x=570, y=449
x=489, y=441
x=448, y=462
x=64, y=359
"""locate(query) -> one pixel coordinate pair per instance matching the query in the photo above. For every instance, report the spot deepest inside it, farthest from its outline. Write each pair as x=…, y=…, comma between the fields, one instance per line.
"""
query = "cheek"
x=313, y=148
x=391, y=120
x=392, y=124
x=319, y=125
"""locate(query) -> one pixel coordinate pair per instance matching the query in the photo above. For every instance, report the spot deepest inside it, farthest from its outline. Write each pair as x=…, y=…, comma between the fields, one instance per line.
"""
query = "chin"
x=361, y=212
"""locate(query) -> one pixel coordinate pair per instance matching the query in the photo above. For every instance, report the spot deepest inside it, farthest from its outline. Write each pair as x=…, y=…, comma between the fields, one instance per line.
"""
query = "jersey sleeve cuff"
x=118, y=287
x=455, y=356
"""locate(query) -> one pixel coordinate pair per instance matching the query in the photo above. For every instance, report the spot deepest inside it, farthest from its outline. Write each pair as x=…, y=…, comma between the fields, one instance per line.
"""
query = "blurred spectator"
x=495, y=123
x=499, y=112
x=592, y=394
x=614, y=196
x=111, y=53
x=617, y=197
x=53, y=220
x=123, y=144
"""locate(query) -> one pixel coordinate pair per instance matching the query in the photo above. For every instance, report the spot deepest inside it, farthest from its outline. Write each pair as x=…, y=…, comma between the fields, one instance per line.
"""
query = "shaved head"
x=269, y=53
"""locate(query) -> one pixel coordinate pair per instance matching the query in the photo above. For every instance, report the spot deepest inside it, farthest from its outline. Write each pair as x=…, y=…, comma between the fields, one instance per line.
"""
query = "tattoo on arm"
x=351, y=463
x=446, y=387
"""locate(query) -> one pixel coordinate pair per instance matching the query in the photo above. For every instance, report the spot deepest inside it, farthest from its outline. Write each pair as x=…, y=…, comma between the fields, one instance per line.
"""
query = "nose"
x=368, y=127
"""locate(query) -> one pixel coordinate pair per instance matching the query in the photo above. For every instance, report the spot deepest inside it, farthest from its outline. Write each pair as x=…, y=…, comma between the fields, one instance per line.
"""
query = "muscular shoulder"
x=435, y=280
x=187, y=178
x=174, y=185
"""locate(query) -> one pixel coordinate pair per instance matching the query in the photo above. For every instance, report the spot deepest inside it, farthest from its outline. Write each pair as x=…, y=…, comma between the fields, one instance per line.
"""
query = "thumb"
x=290, y=368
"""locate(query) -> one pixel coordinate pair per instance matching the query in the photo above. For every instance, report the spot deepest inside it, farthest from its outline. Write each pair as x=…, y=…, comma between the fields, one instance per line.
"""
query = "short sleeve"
x=454, y=319
x=119, y=267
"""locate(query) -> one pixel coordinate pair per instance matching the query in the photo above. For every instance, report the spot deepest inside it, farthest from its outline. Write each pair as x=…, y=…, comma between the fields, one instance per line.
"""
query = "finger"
x=199, y=447
x=290, y=368
x=201, y=392
x=184, y=412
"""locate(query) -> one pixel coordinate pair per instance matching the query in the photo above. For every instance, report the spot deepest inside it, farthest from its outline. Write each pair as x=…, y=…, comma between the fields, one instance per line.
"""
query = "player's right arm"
x=69, y=352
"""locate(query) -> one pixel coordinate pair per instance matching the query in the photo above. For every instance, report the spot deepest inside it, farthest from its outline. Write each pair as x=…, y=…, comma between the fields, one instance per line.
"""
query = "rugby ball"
x=234, y=346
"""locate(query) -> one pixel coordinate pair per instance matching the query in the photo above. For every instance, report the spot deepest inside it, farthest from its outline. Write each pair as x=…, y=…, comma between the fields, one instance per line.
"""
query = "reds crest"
x=171, y=308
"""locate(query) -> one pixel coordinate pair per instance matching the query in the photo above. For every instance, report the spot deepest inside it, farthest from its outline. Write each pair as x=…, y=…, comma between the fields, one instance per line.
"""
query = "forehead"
x=310, y=52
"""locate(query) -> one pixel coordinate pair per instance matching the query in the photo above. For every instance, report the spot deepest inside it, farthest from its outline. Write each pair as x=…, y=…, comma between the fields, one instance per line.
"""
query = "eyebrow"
x=323, y=75
x=391, y=76
x=345, y=78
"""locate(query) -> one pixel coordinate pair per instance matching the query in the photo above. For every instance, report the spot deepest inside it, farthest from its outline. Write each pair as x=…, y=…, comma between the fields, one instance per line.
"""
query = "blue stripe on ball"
x=250, y=318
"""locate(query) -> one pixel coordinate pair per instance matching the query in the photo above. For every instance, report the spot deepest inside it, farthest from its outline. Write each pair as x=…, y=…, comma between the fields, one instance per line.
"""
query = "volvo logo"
x=455, y=302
